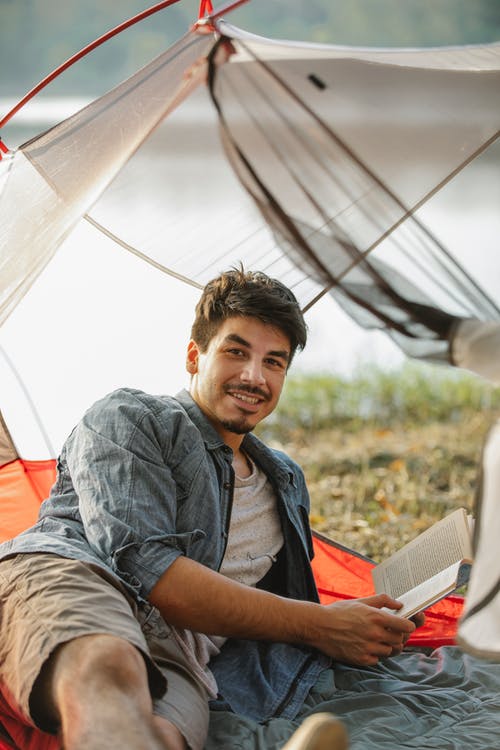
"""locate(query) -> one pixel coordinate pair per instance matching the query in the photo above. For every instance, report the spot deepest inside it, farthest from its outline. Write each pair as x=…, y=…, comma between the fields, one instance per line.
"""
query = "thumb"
x=382, y=600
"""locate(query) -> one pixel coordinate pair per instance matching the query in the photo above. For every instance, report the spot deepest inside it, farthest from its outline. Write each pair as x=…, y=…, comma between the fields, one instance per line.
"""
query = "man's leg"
x=73, y=654
x=96, y=688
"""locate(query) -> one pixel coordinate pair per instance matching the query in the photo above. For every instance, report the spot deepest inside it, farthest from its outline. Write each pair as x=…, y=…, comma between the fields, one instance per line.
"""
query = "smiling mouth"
x=251, y=397
x=252, y=400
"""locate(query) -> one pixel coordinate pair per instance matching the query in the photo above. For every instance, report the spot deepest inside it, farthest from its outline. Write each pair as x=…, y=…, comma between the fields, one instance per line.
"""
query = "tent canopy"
x=336, y=148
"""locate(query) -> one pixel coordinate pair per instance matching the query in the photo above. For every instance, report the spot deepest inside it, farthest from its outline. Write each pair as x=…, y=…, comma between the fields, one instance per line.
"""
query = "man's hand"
x=359, y=631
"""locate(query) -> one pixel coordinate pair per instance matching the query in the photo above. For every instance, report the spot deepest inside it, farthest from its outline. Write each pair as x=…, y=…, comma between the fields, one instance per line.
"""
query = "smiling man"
x=169, y=571
x=238, y=380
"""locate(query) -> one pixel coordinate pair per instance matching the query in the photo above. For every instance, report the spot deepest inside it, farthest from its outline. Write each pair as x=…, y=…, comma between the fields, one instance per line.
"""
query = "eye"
x=235, y=352
x=275, y=363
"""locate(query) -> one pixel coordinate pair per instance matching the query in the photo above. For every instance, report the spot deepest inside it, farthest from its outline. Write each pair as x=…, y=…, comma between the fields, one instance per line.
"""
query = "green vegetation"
x=375, y=22
x=414, y=395
x=385, y=454
x=38, y=35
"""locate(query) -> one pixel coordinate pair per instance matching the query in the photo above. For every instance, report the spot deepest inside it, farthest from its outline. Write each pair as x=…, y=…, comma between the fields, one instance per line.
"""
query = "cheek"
x=276, y=388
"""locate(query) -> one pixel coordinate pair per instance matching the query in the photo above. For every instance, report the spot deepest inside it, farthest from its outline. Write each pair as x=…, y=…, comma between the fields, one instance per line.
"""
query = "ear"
x=192, y=357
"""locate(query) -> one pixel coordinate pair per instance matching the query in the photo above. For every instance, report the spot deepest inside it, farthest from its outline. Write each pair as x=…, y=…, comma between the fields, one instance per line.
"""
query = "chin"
x=237, y=426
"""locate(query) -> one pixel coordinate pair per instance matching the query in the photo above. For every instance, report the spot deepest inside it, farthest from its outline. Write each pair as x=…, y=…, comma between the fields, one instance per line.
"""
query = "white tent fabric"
x=50, y=182
x=476, y=346
x=336, y=148
x=479, y=633
x=338, y=135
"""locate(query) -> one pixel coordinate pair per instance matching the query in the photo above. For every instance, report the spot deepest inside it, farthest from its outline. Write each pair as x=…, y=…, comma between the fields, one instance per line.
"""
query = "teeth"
x=247, y=399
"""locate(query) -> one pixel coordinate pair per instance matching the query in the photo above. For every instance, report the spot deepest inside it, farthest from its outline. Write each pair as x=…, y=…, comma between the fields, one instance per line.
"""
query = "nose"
x=252, y=372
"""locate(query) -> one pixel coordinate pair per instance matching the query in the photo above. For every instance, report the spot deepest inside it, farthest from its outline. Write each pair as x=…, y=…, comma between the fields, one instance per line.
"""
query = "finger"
x=381, y=650
x=418, y=619
x=395, y=604
x=396, y=651
x=395, y=640
x=396, y=623
x=382, y=600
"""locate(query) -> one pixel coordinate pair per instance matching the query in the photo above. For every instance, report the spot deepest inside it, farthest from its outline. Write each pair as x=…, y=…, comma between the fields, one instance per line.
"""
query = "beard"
x=237, y=426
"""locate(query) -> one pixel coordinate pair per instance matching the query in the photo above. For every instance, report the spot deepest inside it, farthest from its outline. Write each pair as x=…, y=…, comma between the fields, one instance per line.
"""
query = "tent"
x=327, y=144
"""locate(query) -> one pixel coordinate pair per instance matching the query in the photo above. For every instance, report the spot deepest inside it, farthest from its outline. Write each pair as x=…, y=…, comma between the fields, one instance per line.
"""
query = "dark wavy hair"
x=248, y=294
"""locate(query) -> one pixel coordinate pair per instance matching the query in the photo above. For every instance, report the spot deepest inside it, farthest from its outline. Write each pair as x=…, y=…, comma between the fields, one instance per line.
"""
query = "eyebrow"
x=233, y=337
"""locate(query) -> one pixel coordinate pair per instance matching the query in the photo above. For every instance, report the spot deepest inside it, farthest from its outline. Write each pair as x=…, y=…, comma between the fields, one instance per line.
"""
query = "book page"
x=437, y=548
x=428, y=592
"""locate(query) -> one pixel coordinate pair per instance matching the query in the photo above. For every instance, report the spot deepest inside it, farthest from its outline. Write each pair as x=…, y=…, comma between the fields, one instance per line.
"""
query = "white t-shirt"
x=254, y=540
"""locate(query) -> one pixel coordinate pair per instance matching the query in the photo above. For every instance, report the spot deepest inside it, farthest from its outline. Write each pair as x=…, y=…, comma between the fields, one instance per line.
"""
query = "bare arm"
x=357, y=631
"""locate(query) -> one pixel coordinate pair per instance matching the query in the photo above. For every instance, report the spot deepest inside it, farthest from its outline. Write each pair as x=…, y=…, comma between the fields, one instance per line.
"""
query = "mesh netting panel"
x=335, y=147
x=338, y=148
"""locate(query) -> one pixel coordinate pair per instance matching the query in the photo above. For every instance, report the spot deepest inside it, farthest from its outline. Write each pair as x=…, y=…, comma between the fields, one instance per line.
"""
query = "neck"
x=232, y=439
x=241, y=464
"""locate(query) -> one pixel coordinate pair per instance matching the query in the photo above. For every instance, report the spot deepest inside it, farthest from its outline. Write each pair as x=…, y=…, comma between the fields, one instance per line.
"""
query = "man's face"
x=237, y=381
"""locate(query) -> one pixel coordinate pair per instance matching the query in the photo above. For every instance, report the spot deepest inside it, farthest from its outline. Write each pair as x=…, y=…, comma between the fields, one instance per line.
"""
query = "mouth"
x=247, y=401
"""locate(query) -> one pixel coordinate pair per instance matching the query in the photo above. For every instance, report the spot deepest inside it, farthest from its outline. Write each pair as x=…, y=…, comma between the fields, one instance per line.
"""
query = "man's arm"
x=357, y=631
x=118, y=461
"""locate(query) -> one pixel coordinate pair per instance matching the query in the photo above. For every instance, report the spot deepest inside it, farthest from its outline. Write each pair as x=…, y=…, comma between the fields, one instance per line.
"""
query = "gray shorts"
x=47, y=600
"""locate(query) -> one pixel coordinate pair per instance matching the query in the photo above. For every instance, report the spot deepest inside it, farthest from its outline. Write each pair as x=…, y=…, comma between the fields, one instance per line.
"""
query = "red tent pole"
x=207, y=15
x=206, y=8
x=100, y=40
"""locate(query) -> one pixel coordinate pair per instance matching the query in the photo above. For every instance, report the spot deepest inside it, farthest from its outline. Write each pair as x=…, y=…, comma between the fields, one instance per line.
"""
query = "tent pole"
x=96, y=43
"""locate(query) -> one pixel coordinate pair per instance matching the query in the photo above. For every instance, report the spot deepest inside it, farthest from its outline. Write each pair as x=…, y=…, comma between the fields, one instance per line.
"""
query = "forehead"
x=253, y=332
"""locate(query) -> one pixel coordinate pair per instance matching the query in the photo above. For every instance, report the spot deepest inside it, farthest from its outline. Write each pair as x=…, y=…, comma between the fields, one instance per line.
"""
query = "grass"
x=385, y=455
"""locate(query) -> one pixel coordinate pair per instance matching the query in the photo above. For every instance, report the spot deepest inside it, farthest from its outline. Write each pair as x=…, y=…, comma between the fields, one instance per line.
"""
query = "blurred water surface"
x=464, y=216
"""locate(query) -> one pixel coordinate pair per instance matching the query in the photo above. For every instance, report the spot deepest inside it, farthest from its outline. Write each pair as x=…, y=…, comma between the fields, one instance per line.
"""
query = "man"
x=170, y=564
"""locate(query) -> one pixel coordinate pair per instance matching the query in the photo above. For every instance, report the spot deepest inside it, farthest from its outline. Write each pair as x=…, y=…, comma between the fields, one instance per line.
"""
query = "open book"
x=429, y=567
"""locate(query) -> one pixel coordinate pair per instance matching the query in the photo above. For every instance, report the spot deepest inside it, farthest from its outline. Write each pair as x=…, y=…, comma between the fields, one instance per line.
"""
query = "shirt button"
x=227, y=485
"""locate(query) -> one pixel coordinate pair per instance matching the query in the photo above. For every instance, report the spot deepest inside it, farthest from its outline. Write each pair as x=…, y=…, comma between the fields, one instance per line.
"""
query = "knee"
x=98, y=662
x=105, y=658
x=94, y=665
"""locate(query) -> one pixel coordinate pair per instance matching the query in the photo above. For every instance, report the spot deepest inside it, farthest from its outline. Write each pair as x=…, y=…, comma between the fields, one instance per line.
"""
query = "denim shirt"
x=144, y=479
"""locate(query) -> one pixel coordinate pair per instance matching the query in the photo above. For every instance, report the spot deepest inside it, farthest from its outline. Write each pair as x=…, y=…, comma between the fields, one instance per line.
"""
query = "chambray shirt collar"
x=258, y=452
x=277, y=471
x=209, y=434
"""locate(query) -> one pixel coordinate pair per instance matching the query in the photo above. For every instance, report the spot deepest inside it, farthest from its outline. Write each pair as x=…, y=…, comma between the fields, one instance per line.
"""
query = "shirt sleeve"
x=119, y=459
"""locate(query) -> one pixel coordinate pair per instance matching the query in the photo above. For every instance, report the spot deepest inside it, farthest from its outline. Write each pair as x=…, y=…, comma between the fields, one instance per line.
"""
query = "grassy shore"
x=385, y=456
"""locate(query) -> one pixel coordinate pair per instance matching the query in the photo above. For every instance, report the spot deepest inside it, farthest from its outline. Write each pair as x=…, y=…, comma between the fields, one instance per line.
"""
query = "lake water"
x=139, y=319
